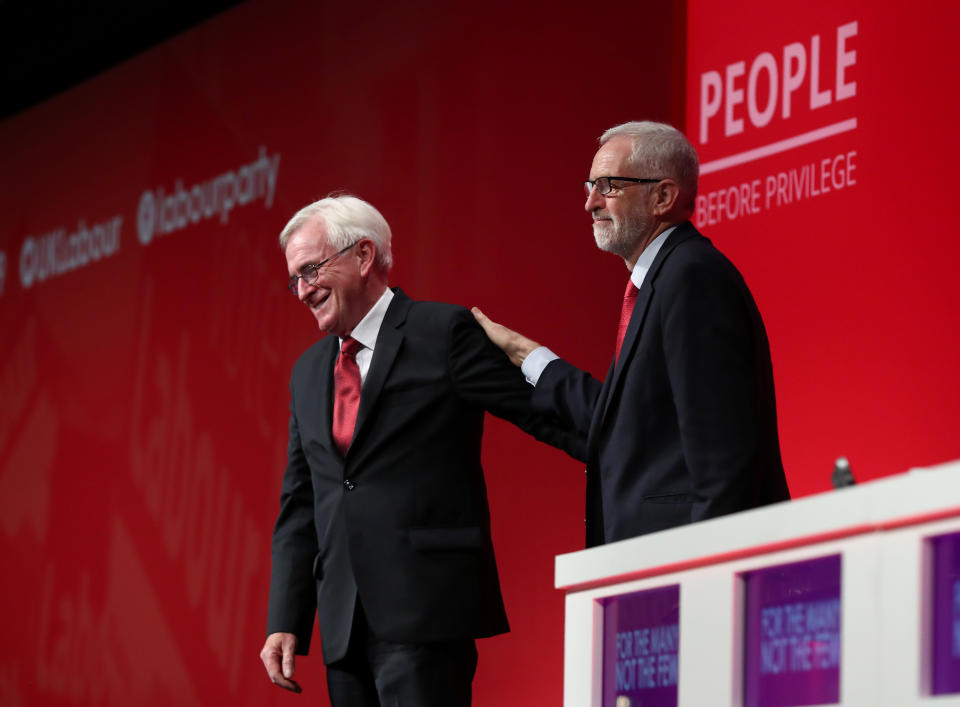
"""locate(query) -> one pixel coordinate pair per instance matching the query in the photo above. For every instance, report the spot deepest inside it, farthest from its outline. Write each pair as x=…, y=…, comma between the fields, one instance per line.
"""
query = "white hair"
x=347, y=220
x=663, y=149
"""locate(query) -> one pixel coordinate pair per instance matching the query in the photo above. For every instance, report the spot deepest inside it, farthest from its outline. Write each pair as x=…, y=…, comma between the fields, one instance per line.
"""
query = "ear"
x=367, y=252
x=665, y=196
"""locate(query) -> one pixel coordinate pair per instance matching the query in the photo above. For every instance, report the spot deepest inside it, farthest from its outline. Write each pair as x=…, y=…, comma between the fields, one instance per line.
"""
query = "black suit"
x=685, y=426
x=402, y=521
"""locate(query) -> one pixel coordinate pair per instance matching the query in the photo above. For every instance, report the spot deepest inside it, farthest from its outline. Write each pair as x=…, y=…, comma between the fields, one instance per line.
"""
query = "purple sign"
x=641, y=645
x=792, y=651
x=946, y=615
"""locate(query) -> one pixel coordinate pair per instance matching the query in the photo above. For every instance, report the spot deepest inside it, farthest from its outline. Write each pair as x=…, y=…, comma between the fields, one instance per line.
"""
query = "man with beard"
x=684, y=427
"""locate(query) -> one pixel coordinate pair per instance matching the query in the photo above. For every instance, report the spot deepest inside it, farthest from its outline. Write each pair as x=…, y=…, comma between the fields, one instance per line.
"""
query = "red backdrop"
x=146, y=337
x=849, y=244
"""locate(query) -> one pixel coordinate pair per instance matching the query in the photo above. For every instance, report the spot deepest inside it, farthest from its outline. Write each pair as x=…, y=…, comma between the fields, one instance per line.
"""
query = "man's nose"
x=594, y=200
x=304, y=289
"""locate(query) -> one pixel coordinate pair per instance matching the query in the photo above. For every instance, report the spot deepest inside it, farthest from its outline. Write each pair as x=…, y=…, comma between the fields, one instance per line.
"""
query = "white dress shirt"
x=367, y=331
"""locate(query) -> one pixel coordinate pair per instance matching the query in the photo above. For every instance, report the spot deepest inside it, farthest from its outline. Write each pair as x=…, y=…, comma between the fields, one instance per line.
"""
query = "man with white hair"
x=384, y=528
x=684, y=427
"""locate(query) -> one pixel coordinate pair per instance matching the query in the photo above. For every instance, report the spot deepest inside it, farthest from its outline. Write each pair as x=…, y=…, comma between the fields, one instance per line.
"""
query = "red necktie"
x=629, y=299
x=346, y=394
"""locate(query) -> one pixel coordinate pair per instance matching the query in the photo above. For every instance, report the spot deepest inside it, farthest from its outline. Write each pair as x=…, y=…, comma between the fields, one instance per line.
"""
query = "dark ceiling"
x=48, y=46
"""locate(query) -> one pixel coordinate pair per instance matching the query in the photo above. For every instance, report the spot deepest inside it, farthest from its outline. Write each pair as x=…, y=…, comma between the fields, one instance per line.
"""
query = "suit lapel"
x=389, y=341
x=322, y=401
x=682, y=233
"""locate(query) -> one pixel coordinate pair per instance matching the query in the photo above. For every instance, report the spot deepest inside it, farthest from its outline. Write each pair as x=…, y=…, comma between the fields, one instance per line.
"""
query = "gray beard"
x=620, y=237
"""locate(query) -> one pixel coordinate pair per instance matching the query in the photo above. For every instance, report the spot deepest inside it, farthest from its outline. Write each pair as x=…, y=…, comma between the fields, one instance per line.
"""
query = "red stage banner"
x=826, y=139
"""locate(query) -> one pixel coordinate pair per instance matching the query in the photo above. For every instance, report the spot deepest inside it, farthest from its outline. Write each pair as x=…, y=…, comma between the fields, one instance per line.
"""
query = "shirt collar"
x=368, y=329
x=647, y=256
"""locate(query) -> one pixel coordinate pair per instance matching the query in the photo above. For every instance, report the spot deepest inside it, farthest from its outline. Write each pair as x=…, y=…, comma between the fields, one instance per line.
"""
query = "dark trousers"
x=377, y=673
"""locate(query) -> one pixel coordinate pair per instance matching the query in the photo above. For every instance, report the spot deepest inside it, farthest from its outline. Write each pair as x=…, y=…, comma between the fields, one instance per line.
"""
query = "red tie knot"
x=350, y=347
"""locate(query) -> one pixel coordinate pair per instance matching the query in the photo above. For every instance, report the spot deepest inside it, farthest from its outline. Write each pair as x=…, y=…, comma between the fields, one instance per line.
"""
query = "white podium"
x=881, y=530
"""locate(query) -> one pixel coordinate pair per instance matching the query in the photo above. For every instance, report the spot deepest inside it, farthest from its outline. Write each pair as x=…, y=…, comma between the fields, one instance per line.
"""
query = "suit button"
x=349, y=485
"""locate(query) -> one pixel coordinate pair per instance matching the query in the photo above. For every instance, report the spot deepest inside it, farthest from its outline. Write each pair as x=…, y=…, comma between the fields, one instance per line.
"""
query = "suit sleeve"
x=483, y=376
x=709, y=350
x=292, y=584
x=569, y=393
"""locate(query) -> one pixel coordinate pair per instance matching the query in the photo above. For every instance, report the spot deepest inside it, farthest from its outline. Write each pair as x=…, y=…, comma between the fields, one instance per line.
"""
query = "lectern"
x=850, y=597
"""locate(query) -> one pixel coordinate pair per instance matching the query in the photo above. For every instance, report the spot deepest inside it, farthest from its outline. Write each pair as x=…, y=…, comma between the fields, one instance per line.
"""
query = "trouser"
x=376, y=673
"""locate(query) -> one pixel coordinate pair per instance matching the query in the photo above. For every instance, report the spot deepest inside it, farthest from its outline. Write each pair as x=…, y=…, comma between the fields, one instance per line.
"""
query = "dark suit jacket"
x=402, y=520
x=685, y=425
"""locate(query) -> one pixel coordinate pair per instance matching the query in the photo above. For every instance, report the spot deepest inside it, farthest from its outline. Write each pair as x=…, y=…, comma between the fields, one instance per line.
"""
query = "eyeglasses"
x=310, y=274
x=604, y=186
